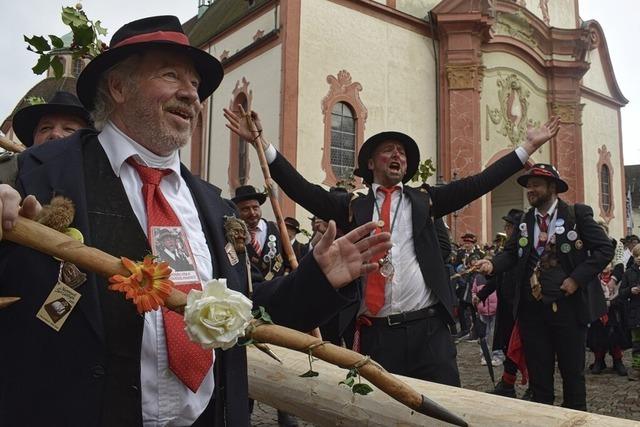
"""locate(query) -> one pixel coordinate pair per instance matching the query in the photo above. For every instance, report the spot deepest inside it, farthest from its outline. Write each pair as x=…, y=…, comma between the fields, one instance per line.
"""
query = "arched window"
x=78, y=65
x=605, y=173
x=343, y=140
x=605, y=188
x=239, y=165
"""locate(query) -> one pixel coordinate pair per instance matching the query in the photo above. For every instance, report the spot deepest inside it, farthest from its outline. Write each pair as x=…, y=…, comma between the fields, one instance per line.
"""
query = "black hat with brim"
x=292, y=223
x=26, y=120
x=410, y=148
x=162, y=32
x=248, y=192
x=514, y=216
x=547, y=171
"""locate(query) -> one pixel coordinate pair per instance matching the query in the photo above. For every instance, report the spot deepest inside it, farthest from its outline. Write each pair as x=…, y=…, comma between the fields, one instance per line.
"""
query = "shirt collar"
x=375, y=187
x=119, y=147
x=262, y=225
x=551, y=209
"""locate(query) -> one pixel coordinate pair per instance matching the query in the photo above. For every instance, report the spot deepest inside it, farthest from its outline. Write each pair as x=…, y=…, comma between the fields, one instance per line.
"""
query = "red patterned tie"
x=188, y=361
x=254, y=241
x=374, y=294
x=544, y=227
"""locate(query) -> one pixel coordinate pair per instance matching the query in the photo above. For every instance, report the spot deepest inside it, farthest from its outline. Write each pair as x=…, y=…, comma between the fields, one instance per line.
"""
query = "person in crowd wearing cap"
x=558, y=251
x=630, y=292
x=120, y=368
x=630, y=242
x=466, y=256
x=293, y=229
x=37, y=124
x=504, y=286
x=609, y=332
x=169, y=250
x=265, y=248
x=406, y=308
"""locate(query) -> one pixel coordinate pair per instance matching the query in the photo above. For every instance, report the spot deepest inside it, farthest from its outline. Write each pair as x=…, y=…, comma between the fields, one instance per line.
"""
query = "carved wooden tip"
x=7, y=301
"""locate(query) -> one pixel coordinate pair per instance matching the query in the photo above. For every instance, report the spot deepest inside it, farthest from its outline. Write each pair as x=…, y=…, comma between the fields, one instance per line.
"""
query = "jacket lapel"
x=419, y=209
x=362, y=208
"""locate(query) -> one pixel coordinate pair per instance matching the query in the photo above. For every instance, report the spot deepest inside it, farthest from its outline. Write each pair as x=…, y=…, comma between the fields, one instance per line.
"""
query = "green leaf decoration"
x=82, y=36
x=74, y=17
x=58, y=68
x=362, y=389
x=310, y=373
x=426, y=170
x=261, y=313
x=56, y=41
x=38, y=43
x=99, y=29
x=35, y=100
x=42, y=65
x=348, y=381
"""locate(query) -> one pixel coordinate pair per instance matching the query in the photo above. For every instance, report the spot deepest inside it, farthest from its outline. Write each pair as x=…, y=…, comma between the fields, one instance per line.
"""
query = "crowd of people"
x=379, y=273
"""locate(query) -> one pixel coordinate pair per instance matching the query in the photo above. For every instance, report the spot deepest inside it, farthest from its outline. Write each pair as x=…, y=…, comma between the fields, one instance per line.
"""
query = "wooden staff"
x=348, y=359
x=268, y=182
x=9, y=145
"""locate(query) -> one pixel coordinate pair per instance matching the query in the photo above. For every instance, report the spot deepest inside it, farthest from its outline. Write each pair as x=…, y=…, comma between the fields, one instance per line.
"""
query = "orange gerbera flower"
x=148, y=285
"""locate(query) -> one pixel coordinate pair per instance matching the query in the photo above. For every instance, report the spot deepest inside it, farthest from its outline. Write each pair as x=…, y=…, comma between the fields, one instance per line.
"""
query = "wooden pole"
x=9, y=145
x=322, y=402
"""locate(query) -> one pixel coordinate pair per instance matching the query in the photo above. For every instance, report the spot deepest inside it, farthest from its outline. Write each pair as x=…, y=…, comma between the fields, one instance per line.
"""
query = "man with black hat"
x=265, y=247
x=406, y=308
x=127, y=183
x=58, y=118
x=558, y=251
x=39, y=123
x=293, y=229
x=504, y=286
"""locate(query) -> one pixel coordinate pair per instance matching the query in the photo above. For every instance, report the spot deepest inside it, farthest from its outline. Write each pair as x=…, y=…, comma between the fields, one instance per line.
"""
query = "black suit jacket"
x=582, y=264
x=88, y=373
x=350, y=211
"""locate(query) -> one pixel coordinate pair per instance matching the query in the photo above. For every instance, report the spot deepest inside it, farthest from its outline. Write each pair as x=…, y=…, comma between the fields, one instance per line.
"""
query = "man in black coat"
x=107, y=364
x=557, y=251
x=406, y=309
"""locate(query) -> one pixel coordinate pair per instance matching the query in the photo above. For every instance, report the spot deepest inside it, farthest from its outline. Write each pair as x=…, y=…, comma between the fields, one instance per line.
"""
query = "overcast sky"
x=42, y=17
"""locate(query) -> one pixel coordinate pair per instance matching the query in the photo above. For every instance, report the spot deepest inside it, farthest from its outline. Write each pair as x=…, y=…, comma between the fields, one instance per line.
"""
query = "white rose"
x=216, y=316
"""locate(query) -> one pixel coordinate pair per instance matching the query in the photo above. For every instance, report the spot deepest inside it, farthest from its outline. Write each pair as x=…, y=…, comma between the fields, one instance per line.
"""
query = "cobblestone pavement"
x=607, y=393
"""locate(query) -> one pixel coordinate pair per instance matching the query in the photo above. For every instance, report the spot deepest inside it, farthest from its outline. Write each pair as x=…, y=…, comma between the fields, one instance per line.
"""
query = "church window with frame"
x=343, y=140
x=605, y=188
x=78, y=65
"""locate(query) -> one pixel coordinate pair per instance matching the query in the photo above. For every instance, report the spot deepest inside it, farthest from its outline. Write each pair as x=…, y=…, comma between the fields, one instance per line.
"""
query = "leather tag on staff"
x=58, y=305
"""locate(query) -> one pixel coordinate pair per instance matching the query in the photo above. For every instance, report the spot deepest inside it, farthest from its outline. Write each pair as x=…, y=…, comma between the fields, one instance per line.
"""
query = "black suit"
x=556, y=325
x=89, y=373
x=437, y=352
x=269, y=267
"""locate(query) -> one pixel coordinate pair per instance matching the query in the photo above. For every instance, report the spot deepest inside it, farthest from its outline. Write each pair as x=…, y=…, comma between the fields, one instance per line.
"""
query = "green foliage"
x=261, y=314
x=356, y=387
x=426, y=169
x=86, y=42
x=310, y=373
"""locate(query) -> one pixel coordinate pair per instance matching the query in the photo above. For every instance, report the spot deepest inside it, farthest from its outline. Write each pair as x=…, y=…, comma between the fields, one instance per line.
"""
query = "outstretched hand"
x=537, y=137
x=246, y=125
x=347, y=258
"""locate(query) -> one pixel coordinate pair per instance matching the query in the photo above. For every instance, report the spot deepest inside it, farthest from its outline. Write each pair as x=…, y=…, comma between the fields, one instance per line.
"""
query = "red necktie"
x=188, y=361
x=254, y=241
x=542, y=224
x=374, y=294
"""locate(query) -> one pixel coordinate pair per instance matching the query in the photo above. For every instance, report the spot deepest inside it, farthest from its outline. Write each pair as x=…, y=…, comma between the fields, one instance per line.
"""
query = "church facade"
x=464, y=78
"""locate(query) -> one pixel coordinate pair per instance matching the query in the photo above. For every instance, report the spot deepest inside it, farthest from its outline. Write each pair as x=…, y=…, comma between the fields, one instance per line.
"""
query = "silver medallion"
x=559, y=222
x=271, y=244
x=386, y=267
x=272, y=238
x=523, y=226
x=572, y=235
x=559, y=229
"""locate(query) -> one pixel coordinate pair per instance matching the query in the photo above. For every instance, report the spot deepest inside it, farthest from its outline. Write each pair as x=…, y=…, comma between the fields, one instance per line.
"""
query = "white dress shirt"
x=166, y=401
x=261, y=233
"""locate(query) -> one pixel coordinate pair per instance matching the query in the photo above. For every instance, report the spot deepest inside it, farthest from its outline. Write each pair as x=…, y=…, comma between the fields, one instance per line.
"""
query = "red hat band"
x=171, y=36
x=541, y=172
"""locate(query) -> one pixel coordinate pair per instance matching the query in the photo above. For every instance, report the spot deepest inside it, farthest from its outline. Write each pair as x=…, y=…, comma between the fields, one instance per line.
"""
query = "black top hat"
x=547, y=171
x=292, y=223
x=513, y=217
x=160, y=32
x=26, y=120
x=366, y=151
x=248, y=192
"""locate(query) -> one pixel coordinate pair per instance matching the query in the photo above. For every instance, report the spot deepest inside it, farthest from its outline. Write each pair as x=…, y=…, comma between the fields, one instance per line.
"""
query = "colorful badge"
x=523, y=241
x=579, y=244
x=565, y=248
x=559, y=222
x=559, y=230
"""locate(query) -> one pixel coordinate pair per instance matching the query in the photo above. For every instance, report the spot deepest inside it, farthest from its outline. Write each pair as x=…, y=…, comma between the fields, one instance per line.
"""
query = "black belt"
x=405, y=317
